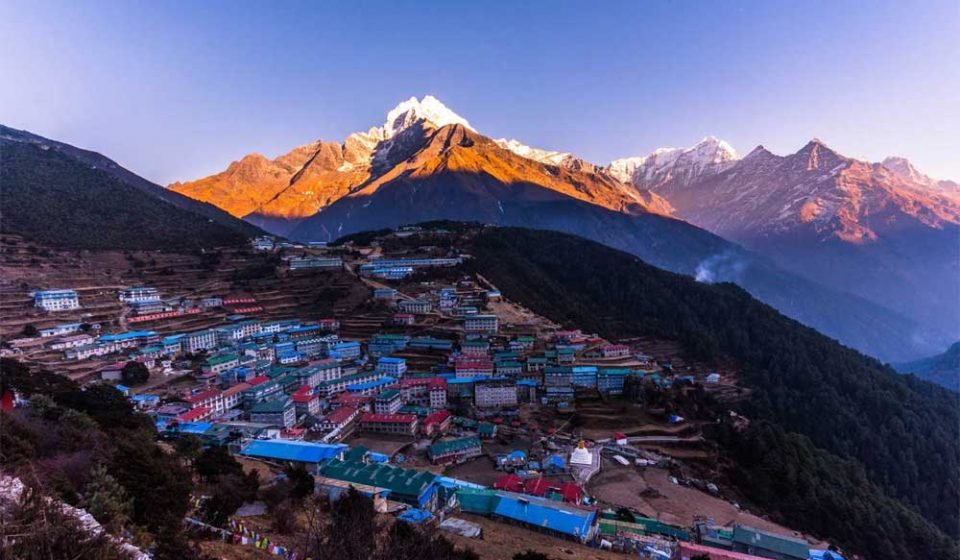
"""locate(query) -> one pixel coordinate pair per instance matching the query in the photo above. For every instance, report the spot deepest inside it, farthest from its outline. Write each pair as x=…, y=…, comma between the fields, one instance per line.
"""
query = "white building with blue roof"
x=56, y=300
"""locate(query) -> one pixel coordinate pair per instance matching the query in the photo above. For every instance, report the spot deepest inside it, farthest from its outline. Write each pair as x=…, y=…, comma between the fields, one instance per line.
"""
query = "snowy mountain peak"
x=904, y=168
x=708, y=156
x=718, y=145
x=411, y=111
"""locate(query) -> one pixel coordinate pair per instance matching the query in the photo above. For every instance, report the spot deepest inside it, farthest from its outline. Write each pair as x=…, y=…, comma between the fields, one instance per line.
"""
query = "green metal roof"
x=275, y=406
x=216, y=360
x=411, y=409
x=454, y=445
x=356, y=454
x=476, y=500
x=756, y=539
x=389, y=394
x=401, y=482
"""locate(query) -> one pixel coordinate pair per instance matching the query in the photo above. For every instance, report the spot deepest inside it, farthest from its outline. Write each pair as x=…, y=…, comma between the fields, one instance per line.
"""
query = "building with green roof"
x=277, y=412
x=455, y=450
x=761, y=543
x=408, y=486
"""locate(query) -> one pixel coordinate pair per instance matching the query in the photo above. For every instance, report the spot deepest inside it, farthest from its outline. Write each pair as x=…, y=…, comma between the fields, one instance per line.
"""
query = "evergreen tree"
x=107, y=501
x=134, y=373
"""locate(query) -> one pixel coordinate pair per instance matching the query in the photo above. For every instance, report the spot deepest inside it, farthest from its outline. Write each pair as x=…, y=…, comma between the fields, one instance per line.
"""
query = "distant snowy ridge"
x=709, y=156
x=536, y=154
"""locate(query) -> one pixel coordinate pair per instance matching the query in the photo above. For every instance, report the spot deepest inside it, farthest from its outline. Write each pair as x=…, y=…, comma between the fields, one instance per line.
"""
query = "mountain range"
x=821, y=231
x=882, y=231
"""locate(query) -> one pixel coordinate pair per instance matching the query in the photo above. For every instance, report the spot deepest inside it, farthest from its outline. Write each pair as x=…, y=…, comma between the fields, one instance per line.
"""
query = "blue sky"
x=177, y=90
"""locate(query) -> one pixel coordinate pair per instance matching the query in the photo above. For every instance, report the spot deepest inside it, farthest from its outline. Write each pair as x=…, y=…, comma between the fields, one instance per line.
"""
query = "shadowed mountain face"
x=98, y=162
x=888, y=234
x=67, y=197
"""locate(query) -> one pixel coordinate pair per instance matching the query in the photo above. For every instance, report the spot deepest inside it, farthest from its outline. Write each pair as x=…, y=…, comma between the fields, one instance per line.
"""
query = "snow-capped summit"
x=411, y=111
x=708, y=156
x=379, y=145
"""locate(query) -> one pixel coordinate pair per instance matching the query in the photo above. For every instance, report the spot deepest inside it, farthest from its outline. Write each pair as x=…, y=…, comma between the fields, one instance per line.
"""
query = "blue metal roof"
x=391, y=360
x=287, y=450
x=545, y=513
x=126, y=335
x=824, y=555
x=555, y=460
x=415, y=516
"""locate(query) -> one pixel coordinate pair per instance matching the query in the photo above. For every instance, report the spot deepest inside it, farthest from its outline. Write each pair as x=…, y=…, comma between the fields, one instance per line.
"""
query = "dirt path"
x=651, y=492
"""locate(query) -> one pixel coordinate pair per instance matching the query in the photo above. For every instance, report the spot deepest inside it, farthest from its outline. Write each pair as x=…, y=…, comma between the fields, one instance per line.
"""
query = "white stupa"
x=581, y=456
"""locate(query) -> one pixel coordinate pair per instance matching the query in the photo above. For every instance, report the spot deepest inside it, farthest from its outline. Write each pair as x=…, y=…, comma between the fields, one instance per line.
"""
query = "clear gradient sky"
x=177, y=90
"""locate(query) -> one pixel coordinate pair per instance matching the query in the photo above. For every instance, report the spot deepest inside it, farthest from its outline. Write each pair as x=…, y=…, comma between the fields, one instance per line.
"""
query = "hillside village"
x=386, y=365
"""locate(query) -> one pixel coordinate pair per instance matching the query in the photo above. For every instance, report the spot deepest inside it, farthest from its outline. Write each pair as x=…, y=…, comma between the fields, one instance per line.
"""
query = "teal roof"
x=757, y=539
x=275, y=406
x=223, y=358
x=454, y=445
x=401, y=482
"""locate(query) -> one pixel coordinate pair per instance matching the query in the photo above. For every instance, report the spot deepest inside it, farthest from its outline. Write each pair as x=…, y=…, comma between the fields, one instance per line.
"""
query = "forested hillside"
x=903, y=433
x=71, y=440
x=54, y=199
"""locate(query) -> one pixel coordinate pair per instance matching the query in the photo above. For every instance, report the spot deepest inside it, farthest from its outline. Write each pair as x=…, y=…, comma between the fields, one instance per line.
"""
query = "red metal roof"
x=194, y=414
x=510, y=483
x=258, y=380
x=340, y=415
x=570, y=492
x=303, y=394
x=431, y=382
x=238, y=388
x=203, y=395
x=436, y=417
x=473, y=363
